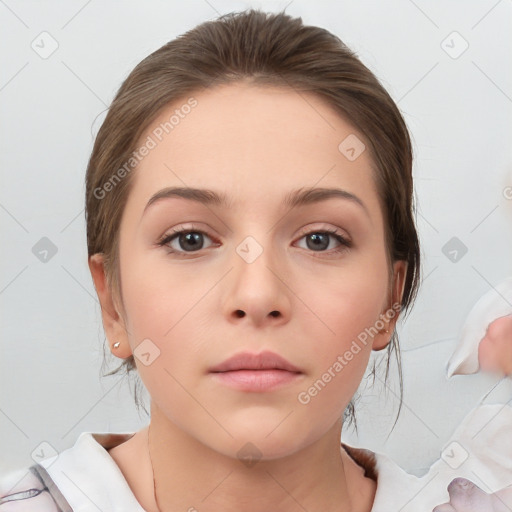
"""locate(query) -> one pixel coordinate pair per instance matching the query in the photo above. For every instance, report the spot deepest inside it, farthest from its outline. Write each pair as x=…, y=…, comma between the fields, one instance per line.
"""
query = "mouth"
x=256, y=372
x=247, y=361
x=256, y=380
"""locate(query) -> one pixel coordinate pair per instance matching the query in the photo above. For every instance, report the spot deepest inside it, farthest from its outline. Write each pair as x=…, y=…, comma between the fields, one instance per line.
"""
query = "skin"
x=495, y=348
x=255, y=145
x=465, y=496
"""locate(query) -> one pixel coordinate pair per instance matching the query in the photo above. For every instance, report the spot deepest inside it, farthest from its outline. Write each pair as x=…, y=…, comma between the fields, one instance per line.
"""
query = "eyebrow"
x=294, y=199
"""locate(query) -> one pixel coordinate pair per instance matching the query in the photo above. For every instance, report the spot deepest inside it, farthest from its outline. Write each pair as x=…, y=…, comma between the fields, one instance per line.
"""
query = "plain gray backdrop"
x=445, y=63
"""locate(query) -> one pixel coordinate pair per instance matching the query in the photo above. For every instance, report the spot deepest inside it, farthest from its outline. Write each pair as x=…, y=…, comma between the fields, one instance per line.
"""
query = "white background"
x=459, y=111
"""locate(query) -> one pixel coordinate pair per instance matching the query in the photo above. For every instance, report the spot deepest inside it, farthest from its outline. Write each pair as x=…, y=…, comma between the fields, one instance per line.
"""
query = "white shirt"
x=85, y=478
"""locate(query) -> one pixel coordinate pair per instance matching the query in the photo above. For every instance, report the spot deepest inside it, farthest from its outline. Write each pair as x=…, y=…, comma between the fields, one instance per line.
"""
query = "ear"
x=113, y=322
x=390, y=315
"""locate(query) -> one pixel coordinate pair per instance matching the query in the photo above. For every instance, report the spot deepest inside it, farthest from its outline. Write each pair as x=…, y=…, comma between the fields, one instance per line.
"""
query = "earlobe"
x=113, y=322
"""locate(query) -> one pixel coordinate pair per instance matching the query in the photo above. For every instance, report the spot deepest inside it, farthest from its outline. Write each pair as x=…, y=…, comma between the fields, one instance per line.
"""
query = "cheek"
x=166, y=323
x=158, y=295
x=342, y=326
x=348, y=303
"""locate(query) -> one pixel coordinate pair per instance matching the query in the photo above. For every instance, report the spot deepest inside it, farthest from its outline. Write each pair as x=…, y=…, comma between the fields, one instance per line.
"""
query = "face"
x=255, y=273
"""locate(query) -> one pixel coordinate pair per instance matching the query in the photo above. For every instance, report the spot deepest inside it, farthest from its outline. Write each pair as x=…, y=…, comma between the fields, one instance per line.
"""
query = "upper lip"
x=264, y=361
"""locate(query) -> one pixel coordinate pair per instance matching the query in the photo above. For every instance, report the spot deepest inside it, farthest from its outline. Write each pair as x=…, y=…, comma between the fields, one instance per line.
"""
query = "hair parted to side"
x=261, y=49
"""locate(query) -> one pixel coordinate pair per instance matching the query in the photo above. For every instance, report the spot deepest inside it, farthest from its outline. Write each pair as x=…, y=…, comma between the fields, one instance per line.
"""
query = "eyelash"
x=169, y=237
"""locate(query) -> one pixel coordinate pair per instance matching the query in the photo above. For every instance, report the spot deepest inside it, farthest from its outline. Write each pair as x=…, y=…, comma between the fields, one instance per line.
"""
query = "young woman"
x=250, y=230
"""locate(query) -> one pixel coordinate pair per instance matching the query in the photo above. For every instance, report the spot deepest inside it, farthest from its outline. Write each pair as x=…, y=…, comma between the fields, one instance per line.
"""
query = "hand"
x=495, y=348
x=465, y=496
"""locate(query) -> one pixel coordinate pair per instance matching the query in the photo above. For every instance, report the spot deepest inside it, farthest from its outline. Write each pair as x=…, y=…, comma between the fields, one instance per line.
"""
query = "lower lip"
x=256, y=380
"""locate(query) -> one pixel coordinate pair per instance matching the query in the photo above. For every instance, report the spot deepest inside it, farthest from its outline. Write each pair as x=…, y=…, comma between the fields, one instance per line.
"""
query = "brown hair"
x=264, y=49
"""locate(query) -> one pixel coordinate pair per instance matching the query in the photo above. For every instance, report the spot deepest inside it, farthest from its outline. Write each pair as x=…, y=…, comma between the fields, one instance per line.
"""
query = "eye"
x=182, y=241
x=319, y=240
x=185, y=240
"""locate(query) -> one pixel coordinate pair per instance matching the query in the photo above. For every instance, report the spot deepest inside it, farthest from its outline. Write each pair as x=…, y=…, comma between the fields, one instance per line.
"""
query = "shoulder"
x=394, y=486
x=32, y=487
x=83, y=477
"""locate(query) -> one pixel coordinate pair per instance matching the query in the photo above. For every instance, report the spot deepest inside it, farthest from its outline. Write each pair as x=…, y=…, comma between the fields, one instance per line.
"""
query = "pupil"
x=192, y=239
x=319, y=240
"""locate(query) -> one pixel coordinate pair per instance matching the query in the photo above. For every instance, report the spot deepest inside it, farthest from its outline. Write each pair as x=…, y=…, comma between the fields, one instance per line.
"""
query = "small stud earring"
x=116, y=345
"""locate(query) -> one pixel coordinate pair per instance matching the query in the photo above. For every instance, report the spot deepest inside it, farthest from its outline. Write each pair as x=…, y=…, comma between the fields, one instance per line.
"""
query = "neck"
x=188, y=475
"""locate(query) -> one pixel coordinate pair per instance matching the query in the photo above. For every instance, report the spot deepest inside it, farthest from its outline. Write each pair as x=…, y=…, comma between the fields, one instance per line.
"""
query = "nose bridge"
x=254, y=237
x=256, y=289
x=255, y=257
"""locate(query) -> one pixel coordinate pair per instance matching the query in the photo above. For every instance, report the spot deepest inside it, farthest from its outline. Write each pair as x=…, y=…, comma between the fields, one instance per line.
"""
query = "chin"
x=272, y=437
x=250, y=452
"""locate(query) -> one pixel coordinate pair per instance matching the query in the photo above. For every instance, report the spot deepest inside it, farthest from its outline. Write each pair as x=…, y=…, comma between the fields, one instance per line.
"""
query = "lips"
x=264, y=361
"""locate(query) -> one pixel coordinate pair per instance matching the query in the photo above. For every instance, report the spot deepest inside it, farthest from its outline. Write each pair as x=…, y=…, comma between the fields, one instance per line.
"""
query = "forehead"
x=254, y=143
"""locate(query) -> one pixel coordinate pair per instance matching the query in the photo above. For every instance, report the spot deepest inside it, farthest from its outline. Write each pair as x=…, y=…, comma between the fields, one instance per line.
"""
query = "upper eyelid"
x=197, y=229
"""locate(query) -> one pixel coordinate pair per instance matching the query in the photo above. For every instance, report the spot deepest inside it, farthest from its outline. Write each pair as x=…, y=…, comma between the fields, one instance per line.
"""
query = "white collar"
x=89, y=478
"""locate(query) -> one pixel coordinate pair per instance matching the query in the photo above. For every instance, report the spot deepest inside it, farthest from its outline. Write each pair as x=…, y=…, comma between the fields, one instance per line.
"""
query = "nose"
x=258, y=291
x=240, y=313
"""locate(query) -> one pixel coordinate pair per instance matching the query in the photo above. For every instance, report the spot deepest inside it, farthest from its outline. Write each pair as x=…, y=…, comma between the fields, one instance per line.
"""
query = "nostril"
x=239, y=313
